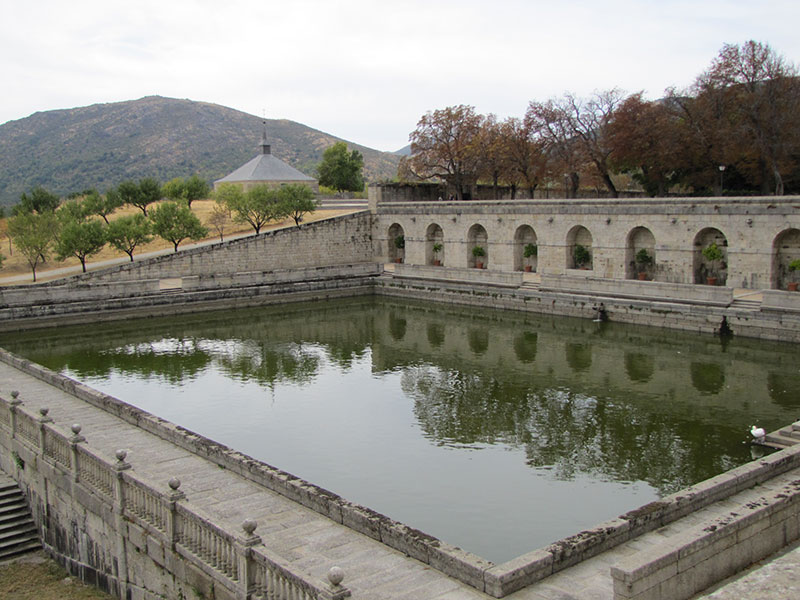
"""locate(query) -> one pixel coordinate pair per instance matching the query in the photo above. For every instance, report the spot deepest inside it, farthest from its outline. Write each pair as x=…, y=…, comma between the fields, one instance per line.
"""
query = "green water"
x=498, y=432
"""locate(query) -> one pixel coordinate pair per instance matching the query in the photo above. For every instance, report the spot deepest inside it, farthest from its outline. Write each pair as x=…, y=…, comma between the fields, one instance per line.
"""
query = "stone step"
x=790, y=433
x=18, y=532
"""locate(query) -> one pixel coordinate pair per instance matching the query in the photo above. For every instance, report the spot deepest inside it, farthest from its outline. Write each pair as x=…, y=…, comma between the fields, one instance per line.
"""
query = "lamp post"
x=721, y=178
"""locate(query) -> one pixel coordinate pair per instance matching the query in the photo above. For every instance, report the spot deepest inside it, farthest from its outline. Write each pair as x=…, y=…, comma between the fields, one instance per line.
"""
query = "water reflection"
x=390, y=391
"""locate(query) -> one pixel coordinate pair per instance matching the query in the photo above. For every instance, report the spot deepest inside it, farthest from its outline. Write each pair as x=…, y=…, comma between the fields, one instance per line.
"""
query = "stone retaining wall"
x=697, y=558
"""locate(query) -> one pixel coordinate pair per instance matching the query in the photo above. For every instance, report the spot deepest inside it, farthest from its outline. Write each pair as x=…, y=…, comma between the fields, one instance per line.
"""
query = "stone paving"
x=315, y=543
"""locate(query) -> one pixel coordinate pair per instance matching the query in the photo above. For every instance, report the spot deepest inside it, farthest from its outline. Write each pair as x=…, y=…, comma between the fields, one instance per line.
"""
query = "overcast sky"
x=367, y=71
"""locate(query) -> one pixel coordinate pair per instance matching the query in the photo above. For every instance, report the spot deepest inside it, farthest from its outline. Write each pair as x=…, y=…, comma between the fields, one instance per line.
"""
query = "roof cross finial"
x=265, y=148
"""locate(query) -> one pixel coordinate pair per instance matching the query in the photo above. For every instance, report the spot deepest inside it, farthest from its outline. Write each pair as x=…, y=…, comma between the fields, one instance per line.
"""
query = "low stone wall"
x=578, y=283
x=477, y=276
x=27, y=307
x=697, y=558
x=781, y=301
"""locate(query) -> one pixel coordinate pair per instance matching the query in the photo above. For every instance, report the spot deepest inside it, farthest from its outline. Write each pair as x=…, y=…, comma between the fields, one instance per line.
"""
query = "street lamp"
x=721, y=178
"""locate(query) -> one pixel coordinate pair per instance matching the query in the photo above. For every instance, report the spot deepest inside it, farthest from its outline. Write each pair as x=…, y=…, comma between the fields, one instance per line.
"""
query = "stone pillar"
x=12, y=407
x=122, y=533
x=76, y=439
x=172, y=498
x=334, y=590
x=43, y=418
x=243, y=546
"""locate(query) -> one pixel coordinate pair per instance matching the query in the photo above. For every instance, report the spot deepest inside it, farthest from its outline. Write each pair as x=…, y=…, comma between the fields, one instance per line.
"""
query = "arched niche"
x=640, y=254
x=396, y=240
x=785, y=249
x=708, y=269
x=477, y=238
x=525, y=242
x=434, y=245
x=580, y=254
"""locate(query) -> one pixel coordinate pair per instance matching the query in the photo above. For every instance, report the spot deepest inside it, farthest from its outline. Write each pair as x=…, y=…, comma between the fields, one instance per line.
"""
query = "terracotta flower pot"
x=792, y=286
x=437, y=262
x=642, y=276
x=528, y=268
x=478, y=265
x=711, y=280
x=398, y=260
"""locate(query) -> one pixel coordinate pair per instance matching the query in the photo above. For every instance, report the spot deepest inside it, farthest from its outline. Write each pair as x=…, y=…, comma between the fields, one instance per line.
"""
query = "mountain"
x=404, y=151
x=101, y=145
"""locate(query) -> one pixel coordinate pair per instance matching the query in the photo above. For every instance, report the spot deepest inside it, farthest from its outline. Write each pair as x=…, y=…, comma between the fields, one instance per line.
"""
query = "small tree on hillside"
x=298, y=199
x=176, y=222
x=128, y=233
x=102, y=205
x=38, y=201
x=186, y=190
x=33, y=235
x=142, y=194
x=219, y=218
x=80, y=239
x=257, y=206
x=341, y=170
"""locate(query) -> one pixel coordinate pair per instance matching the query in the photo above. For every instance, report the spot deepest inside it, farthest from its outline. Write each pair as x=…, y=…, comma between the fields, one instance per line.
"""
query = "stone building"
x=267, y=168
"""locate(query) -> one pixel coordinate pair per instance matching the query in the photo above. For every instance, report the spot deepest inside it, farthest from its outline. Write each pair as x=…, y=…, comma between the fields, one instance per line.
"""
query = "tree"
x=220, y=215
x=340, y=169
x=647, y=141
x=527, y=161
x=33, y=235
x=549, y=124
x=765, y=101
x=79, y=238
x=39, y=201
x=494, y=164
x=128, y=233
x=176, y=222
x=102, y=205
x=257, y=206
x=186, y=190
x=446, y=145
x=141, y=194
x=298, y=199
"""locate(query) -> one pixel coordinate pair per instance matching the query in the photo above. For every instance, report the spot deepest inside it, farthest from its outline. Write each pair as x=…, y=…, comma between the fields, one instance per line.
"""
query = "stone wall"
x=758, y=236
x=337, y=241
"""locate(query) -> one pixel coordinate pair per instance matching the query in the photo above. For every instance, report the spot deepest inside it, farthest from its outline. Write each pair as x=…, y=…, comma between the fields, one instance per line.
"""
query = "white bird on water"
x=758, y=433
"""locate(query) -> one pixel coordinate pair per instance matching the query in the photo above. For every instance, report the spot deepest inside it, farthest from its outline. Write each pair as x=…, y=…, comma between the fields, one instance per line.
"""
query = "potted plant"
x=643, y=261
x=400, y=243
x=794, y=267
x=478, y=252
x=437, y=248
x=713, y=255
x=582, y=256
x=528, y=251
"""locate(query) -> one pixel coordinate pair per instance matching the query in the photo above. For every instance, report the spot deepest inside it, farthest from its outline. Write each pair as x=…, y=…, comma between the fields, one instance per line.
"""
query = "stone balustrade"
x=237, y=562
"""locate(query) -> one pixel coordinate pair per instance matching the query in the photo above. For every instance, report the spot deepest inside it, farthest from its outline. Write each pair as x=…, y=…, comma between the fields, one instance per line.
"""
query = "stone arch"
x=433, y=236
x=639, y=239
x=477, y=236
x=396, y=252
x=706, y=271
x=522, y=237
x=579, y=237
x=785, y=249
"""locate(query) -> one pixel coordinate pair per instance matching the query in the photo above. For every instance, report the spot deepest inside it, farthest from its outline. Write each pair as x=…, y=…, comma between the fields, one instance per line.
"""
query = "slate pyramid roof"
x=265, y=167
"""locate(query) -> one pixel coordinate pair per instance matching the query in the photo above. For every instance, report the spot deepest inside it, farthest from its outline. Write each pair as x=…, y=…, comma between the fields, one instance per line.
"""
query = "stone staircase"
x=18, y=532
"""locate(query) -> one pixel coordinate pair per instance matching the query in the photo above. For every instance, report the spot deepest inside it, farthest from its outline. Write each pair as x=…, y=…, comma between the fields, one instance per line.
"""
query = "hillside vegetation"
x=101, y=145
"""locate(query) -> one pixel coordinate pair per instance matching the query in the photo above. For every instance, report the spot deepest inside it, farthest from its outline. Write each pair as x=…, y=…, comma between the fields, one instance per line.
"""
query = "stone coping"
x=496, y=580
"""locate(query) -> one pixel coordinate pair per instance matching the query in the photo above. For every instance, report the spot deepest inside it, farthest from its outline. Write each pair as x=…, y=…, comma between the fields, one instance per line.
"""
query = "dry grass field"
x=15, y=263
x=36, y=577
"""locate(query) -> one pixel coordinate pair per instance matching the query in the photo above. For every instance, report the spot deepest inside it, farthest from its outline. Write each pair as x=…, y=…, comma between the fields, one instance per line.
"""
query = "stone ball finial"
x=174, y=484
x=121, y=454
x=43, y=411
x=76, y=428
x=335, y=576
x=249, y=526
x=15, y=394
